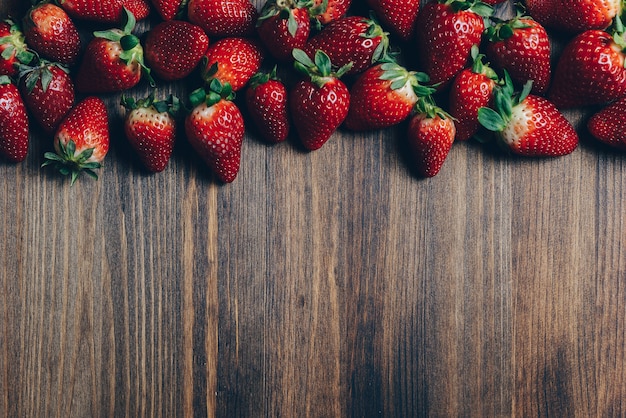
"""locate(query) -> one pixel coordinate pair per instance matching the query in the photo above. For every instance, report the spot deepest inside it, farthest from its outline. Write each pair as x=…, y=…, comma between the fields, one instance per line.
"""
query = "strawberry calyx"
x=399, y=78
x=169, y=105
x=479, y=66
x=320, y=71
x=211, y=94
x=502, y=30
x=505, y=99
x=5, y=79
x=375, y=30
x=15, y=44
x=263, y=77
x=132, y=51
x=617, y=31
x=476, y=6
x=38, y=71
x=69, y=163
x=284, y=9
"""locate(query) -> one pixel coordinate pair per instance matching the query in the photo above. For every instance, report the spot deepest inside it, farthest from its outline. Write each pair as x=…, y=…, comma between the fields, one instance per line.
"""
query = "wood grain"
x=321, y=284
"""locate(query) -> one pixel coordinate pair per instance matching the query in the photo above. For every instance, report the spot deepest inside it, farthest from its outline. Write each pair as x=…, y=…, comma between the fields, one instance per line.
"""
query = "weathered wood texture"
x=329, y=283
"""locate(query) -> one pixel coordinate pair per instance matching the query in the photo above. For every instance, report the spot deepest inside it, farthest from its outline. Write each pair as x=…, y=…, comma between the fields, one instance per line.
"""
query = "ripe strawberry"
x=608, y=124
x=574, y=16
x=590, y=70
x=112, y=62
x=13, y=49
x=48, y=93
x=326, y=11
x=223, y=18
x=471, y=89
x=431, y=134
x=399, y=16
x=110, y=11
x=233, y=61
x=522, y=47
x=150, y=127
x=383, y=96
x=82, y=140
x=174, y=48
x=319, y=103
x=446, y=31
x=215, y=129
x=353, y=39
x=169, y=9
x=266, y=100
x=13, y=122
x=50, y=31
x=284, y=25
x=528, y=125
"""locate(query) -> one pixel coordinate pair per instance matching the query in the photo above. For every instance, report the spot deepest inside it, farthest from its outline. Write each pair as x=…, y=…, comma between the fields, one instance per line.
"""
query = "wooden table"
x=324, y=284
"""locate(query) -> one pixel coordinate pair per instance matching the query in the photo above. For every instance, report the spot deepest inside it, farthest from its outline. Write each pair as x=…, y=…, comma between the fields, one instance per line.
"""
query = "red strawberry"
x=574, y=16
x=326, y=11
x=48, y=93
x=13, y=49
x=266, y=99
x=608, y=125
x=399, y=16
x=110, y=11
x=590, y=70
x=284, y=25
x=82, y=140
x=112, y=62
x=50, y=31
x=522, y=47
x=471, y=89
x=13, y=122
x=215, y=129
x=174, y=48
x=431, y=134
x=384, y=96
x=222, y=18
x=233, y=61
x=528, y=125
x=446, y=31
x=351, y=39
x=169, y=9
x=319, y=103
x=150, y=128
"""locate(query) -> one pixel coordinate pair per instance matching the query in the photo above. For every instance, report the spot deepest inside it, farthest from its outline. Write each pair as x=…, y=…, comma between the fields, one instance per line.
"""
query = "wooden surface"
x=323, y=284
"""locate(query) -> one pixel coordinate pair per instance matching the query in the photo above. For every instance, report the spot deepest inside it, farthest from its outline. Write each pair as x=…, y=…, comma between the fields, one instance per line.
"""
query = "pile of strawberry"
x=463, y=73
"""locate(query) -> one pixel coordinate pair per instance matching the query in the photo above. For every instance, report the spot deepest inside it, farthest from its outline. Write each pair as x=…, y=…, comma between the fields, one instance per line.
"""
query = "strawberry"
x=522, y=47
x=169, y=9
x=48, y=93
x=82, y=140
x=319, y=103
x=471, y=89
x=233, y=61
x=113, y=61
x=528, y=125
x=223, y=18
x=446, y=31
x=325, y=11
x=110, y=11
x=284, y=25
x=608, y=124
x=590, y=70
x=215, y=129
x=13, y=49
x=383, y=96
x=399, y=16
x=13, y=122
x=174, y=48
x=49, y=30
x=351, y=39
x=574, y=16
x=266, y=100
x=150, y=127
x=431, y=134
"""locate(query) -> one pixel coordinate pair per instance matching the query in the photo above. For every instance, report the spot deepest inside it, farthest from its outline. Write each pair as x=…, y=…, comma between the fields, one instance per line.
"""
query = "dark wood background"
x=324, y=284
